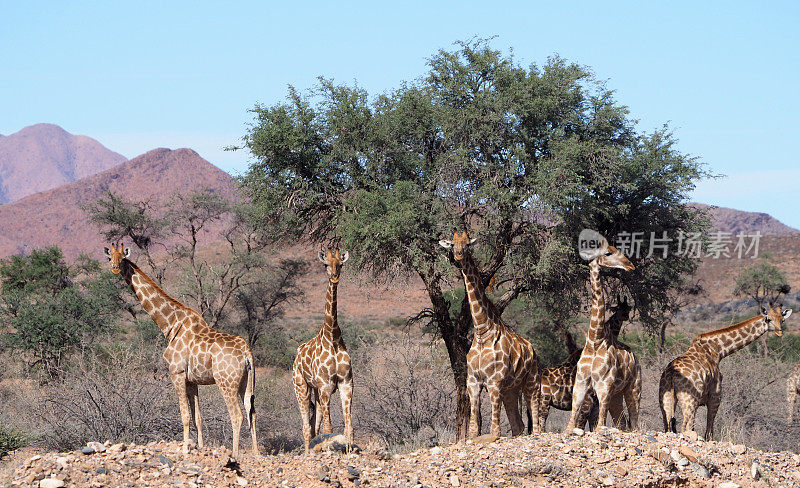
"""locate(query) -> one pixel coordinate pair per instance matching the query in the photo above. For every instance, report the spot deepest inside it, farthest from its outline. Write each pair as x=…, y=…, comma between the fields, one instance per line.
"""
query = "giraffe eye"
x=767, y=320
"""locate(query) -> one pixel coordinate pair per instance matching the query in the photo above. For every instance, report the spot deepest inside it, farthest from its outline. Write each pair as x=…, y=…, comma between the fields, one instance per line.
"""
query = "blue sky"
x=142, y=75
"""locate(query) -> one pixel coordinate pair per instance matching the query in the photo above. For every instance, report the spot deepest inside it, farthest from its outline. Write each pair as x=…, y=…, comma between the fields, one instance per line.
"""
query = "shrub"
x=10, y=440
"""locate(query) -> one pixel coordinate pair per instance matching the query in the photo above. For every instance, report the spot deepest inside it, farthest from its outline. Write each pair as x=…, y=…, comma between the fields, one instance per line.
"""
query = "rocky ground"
x=605, y=458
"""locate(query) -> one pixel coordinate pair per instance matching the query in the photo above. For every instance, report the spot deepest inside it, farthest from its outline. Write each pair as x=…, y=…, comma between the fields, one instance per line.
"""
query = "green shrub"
x=10, y=440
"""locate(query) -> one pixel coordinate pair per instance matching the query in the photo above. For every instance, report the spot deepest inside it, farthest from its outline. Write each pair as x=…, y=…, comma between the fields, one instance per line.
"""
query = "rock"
x=117, y=447
x=164, y=460
x=87, y=450
x=608, y=481
x=578, y=432
x=97, y=446
x=651, y=438
x=435, y=451
x=241, y=481
x=102, y=470
x=352, y=473
x=332, y=442
x=63, y=462
x=688, y=452
x=739, y=449
x=51, y=483
x=454, y=481
x=700, y=471
x=755, y=473
x=690, y=436
x=34, y=458
x=682, y=462
x=485, y=439
x=675, y=455
x=728, y=484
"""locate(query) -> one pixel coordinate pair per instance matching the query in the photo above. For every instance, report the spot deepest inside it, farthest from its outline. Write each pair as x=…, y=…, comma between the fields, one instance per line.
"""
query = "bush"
x=10, y=440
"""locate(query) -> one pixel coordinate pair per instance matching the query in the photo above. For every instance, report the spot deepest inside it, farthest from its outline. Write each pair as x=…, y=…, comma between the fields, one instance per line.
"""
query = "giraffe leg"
x=712, y=405
x=231, y=396
x=791, y=396
x=688, y=409
x=494, y=399
x=590, y=405
x=346, y=395
x=316, y=415
x=532, y=392
x=303, y=393
x=179, y=380
x=511, y=403
x=633, y=396
x=666, y=400
x=579, y=391
x=544, y=410
x=194, y=408
x=247, y=397
x=474, y=391
x=325, y=409
x=615, y=408
x=603, y=400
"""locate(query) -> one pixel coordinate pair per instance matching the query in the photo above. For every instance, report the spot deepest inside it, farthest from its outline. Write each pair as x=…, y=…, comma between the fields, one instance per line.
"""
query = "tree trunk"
x=456, y=339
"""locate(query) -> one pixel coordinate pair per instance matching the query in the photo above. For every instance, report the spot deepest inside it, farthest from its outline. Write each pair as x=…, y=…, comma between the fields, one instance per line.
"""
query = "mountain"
x=55, y=217
x=44, y=156
x=735, y=221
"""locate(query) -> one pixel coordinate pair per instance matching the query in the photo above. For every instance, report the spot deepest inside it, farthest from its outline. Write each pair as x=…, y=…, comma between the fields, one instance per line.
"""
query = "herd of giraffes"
x=602, y=378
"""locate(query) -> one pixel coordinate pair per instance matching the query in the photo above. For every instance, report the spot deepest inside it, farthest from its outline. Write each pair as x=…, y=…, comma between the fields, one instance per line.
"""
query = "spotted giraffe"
x=557, y=381
x=196, y=354
x=499, y=360
x=322, y=364
x=792, y=388
x=606, y=365
x=694, y=379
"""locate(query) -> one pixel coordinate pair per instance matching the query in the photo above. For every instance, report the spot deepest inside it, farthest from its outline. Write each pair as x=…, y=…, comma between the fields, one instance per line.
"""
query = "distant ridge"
x=735, y=221
x=44, y=156
x=55, y=217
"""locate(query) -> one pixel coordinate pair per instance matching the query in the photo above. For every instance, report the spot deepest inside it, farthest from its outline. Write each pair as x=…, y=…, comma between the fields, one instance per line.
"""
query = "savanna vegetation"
x=523, y=157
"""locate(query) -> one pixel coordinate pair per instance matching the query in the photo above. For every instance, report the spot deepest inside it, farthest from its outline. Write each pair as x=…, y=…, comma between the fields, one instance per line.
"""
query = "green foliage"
x=761, y=281
x=275, y=349
x=10, y=440
x=47, y=308
x=646, y=345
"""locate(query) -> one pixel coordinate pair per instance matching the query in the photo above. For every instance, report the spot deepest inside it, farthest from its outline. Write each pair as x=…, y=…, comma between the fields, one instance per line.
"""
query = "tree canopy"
x=521, y=157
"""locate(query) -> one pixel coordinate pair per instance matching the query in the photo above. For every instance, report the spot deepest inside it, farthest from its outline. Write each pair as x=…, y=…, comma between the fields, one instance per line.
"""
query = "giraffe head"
x=774, y=318
x=622, y=309
x=609, y=256
x=459, y=244
x=116, y=255
x=333, y=261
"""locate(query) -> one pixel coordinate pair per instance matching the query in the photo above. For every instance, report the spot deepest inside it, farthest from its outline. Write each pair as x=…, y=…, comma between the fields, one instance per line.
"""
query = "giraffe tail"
x=666, y=400
x=250, y=398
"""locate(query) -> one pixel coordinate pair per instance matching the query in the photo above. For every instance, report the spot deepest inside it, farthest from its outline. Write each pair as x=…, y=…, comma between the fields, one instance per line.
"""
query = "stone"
x=164, y=460
x=728, y=484
x=102, y=470
x=651, y=438
x=435, y=451
x=63, y=462
x=352, y=473
x=118, y=447
x=755, y=473
x=87, y=450
x=97, y=446
x=682, y=462
x=578, y=432
x=688, y=452
x=485, y=439
x=241, y=481
x=51, y=483
x=332, y=442
x=608, y=481
x=675, y=455
x=454, y=481
x=700, y=471
x=739, y=449
x=690, y=436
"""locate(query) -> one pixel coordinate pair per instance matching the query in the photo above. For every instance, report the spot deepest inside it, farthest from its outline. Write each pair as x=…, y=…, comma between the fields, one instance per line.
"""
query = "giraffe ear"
x=107, y=251
x=786, y=313
x=472, y=241
x=345, y=256
x=127, y=252
x=446, y=244
x=321, y=256
x=764, y=311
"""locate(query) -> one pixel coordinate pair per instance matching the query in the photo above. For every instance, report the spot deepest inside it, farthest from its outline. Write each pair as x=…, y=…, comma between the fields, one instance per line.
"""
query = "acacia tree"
x=522, y=158
x=761, y=282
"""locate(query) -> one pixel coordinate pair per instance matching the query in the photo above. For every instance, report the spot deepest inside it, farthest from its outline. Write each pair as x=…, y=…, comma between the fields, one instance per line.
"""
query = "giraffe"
x=694, y=379
x=792, y=388
x=196, y=354
x=499, y=360
x=322, y=364
x=606, y=365
x=557, y=381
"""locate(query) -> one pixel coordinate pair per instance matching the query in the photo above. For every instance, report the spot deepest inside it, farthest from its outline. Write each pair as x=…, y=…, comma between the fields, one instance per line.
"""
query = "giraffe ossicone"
x=498, y=360
x=322, y=364
x=196, y=354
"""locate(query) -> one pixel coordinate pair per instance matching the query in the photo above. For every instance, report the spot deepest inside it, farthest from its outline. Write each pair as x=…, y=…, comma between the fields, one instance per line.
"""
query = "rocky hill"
x=55, y=217
x=605, y=458
x=735, y=221
x=44, y=156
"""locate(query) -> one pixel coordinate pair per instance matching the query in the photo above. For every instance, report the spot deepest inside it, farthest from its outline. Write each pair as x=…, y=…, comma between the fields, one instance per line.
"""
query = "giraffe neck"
x=483, y=314
x=160, y=306
x=596, y=331
x=614, y=324
x=330, y=327
x=730, y=339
